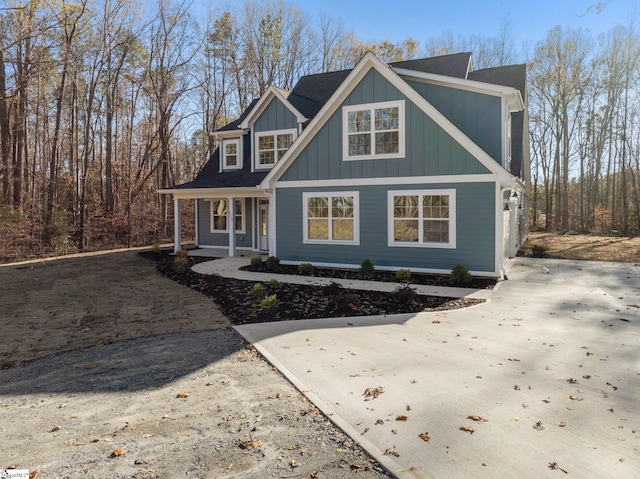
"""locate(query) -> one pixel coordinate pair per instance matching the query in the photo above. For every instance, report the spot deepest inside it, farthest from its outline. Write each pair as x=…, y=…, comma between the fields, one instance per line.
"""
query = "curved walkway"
x=543, y=378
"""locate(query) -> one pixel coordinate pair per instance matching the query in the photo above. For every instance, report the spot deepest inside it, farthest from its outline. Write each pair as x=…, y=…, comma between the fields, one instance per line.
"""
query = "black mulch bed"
x=299, y=301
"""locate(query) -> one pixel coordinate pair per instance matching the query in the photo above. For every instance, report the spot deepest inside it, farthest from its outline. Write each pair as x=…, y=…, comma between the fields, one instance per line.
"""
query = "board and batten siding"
x=477, y=115
x=275, y=116
x=207, y=238
x=475, y=230
x=429, y=150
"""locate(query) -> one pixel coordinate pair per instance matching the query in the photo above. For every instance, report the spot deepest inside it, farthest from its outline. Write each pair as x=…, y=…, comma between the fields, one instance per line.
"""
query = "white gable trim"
x=425, y=181
x=512, y=95
x=263, y=103
x=368, y=62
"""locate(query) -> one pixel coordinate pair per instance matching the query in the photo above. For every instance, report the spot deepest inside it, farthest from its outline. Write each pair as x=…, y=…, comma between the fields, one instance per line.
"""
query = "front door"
x=263, y=222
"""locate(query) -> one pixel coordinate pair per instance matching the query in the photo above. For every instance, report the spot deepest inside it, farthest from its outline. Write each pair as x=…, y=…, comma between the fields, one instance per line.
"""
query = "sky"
x=396, y=20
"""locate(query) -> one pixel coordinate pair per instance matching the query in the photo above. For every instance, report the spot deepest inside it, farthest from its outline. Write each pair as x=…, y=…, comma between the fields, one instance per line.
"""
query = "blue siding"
x=429, y=149
x=276, y=116
x=207, y=238
x=475, y=230
x=477, y=115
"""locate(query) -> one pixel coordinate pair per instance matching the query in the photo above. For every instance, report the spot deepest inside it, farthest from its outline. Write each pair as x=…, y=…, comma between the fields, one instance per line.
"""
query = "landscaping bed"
x=236, y=300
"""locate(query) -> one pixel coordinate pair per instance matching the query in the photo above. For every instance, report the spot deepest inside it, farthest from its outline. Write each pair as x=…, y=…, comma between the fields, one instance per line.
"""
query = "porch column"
x=232, y=226
x=177, y=225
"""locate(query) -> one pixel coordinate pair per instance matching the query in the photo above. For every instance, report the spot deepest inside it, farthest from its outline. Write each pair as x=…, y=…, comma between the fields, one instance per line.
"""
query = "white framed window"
x=374, y=130
x=270, y=146
x=425, y=218
x=331, y=217
x=231, y=159
x=220, y=215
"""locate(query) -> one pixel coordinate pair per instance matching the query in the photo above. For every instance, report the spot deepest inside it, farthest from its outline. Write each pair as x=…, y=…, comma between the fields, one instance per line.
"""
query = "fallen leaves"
x=476, y=418
x=118, y=453
x=468, y=429
x=575, y=398
x=90, y=366
x=554, y=466
x=402, y=417
x=182, y=395
x=538, y=426
x=424, y=436
x=250, y=444
x=391, y=452
x=372, y=393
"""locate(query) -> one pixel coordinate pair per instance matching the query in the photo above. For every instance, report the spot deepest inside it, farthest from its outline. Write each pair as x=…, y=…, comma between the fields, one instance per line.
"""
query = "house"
x=420, y=164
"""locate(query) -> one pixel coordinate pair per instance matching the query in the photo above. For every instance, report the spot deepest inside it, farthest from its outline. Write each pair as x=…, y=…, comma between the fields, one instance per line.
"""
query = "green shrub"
x=272, y=263
x=367, y=270
x=182, y=253
x=273, y=284
x=256, y=261
x=305, y=269
x=403, y=275
x=270, y=304
x=180, y=264
x=258, y=291
x=461, y=275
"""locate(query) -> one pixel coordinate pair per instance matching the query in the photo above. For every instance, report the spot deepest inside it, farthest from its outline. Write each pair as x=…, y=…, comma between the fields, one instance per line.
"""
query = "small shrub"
x=272, y=263
x=305, y=269
x=331, y=289
x=270, y=304
x=403, y=275
x=538, y=251
x=258, y=291
x=155, y=249
x=404, y=294
x=273, y=284
x=182, y=253
x=180, y=264
x=256, y=261
x=345, y=303
x=367, y=270
x=461, y=275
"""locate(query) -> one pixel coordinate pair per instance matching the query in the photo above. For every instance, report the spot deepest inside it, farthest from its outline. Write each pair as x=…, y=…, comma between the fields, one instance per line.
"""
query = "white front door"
x=263, y=222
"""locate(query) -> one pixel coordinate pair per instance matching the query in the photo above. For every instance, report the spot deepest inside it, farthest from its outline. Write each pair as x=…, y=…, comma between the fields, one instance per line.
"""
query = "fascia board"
x=263, y=102
x=203, y=193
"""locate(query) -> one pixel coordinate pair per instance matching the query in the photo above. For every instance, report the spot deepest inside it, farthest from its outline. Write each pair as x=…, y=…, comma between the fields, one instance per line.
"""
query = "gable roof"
x=514, y=76
x=453, y=65
x=263, y=102
x=369, y=62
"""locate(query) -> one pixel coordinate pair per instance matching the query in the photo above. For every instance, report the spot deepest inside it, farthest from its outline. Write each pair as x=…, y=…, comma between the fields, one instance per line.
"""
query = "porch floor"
x=221, y=253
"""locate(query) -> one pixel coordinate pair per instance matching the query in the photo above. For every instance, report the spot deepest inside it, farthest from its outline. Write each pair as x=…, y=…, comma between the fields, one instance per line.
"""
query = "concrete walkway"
x=541, y=380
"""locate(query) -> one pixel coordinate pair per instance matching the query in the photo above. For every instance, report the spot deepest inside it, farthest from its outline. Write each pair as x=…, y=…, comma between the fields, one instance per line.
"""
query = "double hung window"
x=271, y=146
x=231, y=154
x=220, y=215
x=422, y=218
x=373, y=131
x=331, y=217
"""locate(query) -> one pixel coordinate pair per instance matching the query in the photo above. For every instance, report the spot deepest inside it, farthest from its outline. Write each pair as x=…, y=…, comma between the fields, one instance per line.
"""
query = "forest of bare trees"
x=103, y=102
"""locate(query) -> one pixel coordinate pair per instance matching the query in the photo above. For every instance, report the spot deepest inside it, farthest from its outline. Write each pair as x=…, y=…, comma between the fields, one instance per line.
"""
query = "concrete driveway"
x=543, y=380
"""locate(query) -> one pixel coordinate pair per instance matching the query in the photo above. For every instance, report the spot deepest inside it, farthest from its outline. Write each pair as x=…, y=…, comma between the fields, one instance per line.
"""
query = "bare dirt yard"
x=109, y=370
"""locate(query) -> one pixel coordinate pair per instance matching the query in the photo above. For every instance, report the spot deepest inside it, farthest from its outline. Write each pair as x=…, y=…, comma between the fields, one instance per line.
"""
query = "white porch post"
x=232, y=226
x=177, y=225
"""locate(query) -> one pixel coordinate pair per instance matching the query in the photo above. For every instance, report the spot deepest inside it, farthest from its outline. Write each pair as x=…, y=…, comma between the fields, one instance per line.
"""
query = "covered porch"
x=228, y=221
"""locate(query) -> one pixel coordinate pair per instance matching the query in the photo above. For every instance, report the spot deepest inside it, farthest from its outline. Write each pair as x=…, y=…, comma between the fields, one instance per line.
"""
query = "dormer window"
x=271, y=146
x=231, y=159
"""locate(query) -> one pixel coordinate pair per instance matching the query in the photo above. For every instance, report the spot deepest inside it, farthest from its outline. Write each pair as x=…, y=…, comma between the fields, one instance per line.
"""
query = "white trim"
x=392, y=242
x=274, y=133
x=196, y=222
x=386, y=181
x=330, y=195
x=223, y=247
x=488, y=274
x=207, y=193
x=263, y=103
x=372, y=107
x=368, y=62
x=230, y=217
x=238, y=165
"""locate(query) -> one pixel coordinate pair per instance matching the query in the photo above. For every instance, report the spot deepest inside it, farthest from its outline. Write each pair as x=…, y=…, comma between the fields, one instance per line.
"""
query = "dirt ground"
x=586, y=247
x=153, y=383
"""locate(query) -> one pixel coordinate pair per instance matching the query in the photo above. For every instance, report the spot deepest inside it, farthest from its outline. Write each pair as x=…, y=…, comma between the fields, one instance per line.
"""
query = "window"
x=422, y=218
x=331, y=218
x=272, y=146
x=373, y=131
x=220, y=215
x=231, y=154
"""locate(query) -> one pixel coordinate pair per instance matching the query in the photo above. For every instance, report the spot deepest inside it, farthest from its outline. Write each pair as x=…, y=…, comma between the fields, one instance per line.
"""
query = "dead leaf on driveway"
x=476, y=418
x=118, y=453
x=468, y=429
x=554, y=466
x=182, y=394
x=575, y=398
x=372, y=393
x=90, y=366
x=424, y=436
x=402, y=417
x=250, y=444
